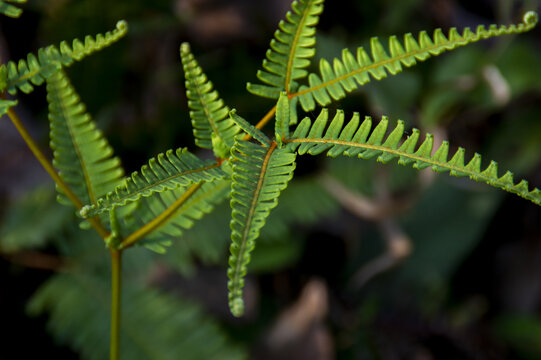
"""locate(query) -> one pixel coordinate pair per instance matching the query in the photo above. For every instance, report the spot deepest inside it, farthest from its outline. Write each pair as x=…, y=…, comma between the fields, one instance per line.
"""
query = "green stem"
x=96, y=224
x=116, y=284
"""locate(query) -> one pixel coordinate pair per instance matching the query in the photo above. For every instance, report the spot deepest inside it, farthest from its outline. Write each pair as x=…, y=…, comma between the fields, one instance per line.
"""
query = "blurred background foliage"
x=359, y=260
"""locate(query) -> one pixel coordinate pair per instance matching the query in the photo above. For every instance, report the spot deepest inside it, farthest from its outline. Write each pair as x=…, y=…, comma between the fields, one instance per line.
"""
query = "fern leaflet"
x=358, y=139
x=34, y=70
x=260, y=173
x=164, y=172
x=11, y=10
x=212, y=126
x=81, y=152
x=5, y=105
x=346, y=74
x=290, y=50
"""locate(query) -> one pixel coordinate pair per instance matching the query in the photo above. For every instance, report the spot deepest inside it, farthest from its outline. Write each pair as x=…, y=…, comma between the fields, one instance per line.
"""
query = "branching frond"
x=346, y=74
x=170, y=228
x=164, y=172
x=290, y=50
x=358, y=139
x=34, y=70
x=155, y=325
x=81, y=152
x=10, y=10
x=260, y=173
x=208, y=112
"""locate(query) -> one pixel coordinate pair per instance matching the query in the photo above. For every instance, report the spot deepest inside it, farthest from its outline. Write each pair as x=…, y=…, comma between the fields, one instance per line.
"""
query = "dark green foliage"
x=156, y=325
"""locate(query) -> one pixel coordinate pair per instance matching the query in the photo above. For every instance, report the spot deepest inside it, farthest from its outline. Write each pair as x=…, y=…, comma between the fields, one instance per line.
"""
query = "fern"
x=81, y=153
x=290, y=50
x=164, y=172
x=260, y=173
x=346, y=74
x=10, y=10
x=5, y=105
x=212, y=127
x=201, y=202
x=358, y=139
x=155, y=326
x=35, y=70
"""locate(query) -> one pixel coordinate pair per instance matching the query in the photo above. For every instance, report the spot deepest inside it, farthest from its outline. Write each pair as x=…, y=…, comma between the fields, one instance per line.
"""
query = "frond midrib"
x=294, y=43
x=473, y=174
x=253, y=206
x=77, y=149
x=121, y=199
x=379, y=64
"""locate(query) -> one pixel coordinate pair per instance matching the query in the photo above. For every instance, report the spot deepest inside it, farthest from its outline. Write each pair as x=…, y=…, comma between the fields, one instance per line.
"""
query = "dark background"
x=468, y=288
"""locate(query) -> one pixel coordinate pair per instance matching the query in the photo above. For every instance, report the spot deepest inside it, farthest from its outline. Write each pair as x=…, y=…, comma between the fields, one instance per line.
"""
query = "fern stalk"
x=94, y=222
x=116, y=295
x=160, y=219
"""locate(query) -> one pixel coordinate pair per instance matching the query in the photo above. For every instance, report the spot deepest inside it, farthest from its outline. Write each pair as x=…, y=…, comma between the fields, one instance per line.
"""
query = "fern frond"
x=208, y=113
x=34, y=70
x=260, y=173
x=249, y=128
x=81, y=152
x=163, y=172
x=358, y=139
x=290, y=50
x=5, y=105
x=10, y=10
x=155, y=325
x=347, y=73
x=201, y=202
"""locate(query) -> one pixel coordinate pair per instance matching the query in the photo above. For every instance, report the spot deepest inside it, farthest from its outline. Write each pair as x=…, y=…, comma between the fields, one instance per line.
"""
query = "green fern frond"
x=194, y=208
x=358, y=139
x=346, y=74
x=290, y=50
x=5, y=105
x=208, y=112
x=260, y=173
x=164, y=172
x=249, y=128
x=155, y=325
x=10, y=10
x=81, y=152
x=34, y=70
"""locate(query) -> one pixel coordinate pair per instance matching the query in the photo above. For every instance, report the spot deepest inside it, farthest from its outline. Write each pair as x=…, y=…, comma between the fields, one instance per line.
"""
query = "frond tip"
x=211, y=124
x=348, y=73
x=259, y=175
x=290, y=50
x=358, y=139
x=11, y=10
x=35, y=70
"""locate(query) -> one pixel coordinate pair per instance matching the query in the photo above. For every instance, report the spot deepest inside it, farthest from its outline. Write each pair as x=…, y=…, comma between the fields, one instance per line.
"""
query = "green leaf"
x=164, y=172
x=249, y=128
x=349, y=72
x=290, y=50
x=35, y=70
x=5, y=105
x=82, y=155
x=259, y=175
x=212, y=126
x=10, y=10
x=155, y=325
x=282, y=119
x=358, y=141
